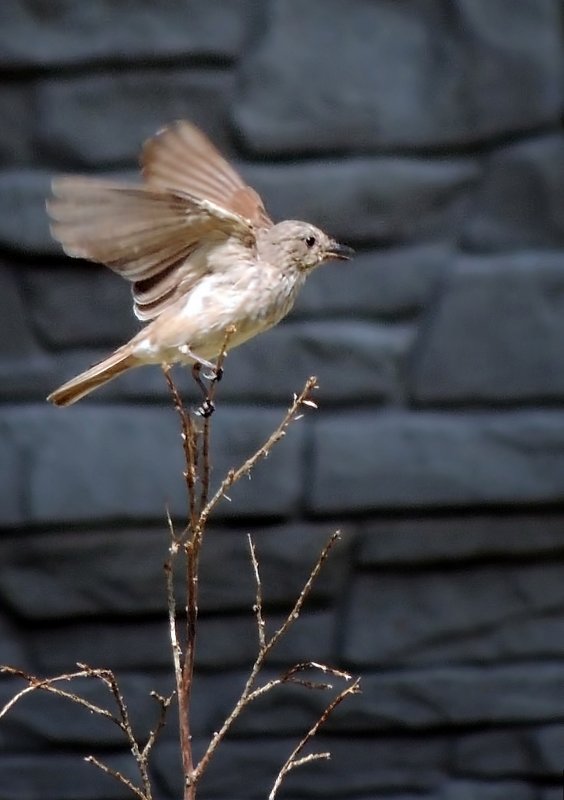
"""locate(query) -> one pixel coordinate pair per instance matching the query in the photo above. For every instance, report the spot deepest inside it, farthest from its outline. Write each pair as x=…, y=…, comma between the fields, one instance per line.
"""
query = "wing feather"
x=181, y=159
x=148, y=236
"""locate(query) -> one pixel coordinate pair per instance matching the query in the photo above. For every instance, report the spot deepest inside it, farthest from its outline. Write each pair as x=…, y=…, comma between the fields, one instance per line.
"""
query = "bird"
x=196, y=243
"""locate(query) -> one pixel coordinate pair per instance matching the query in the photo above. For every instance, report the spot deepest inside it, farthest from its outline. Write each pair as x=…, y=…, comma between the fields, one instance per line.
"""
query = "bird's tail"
x=96, y=376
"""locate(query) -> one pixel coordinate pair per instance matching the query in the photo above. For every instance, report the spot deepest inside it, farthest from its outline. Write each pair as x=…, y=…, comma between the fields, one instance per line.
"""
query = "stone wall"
x=428, y=135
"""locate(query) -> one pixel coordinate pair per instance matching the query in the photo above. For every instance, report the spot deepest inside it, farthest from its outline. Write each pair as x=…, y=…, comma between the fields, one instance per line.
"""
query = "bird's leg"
x=207, y=408
x=215, y=375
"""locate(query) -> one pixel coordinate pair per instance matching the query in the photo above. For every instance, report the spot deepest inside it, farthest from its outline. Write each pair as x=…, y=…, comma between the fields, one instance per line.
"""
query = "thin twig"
x=108, y=679
x=164, y=704
x=293, y=760
x=114, y=773
x=235, y=475
x=249, y=693
x=295, y=612
x=261, y=624
x=196, y=447
x=47, y=685
x=189, y=445
x=206, y=433
x=177, y=654
x=288, y=677
x=327, y=670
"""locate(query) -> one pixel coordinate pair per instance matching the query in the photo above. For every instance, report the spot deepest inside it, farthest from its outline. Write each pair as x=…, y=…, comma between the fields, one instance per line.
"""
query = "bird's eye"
x=310, y=241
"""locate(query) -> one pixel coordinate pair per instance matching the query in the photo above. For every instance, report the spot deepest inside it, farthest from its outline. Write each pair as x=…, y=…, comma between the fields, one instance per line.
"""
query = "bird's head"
x=302, y=245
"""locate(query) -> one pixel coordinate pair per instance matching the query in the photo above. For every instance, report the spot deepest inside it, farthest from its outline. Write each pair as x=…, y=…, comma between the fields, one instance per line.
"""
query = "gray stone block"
x=41, y=718
x=62, y=776
x=24, y=227
x=103, y=119
x=354, y=362
x=362, y=767
x=525, y=752
x=495, y=334
x=50, y=33
x=389, y=200
x=422, y=76
x=53, y=576
x=17, y=114
x=393, y=283
x=232, y=641
x=109, y=463
x=395, y=459
x=18, y=336
x=482, y=614
x=74, y=305
x=13, y=643
x=463, y=789
x=455, y=697
x=520, y=201
x=460, y=539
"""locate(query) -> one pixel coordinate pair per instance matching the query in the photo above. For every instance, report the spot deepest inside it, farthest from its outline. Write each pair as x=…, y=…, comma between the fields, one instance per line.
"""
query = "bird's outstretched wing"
x=156, y=239
x=181, y=159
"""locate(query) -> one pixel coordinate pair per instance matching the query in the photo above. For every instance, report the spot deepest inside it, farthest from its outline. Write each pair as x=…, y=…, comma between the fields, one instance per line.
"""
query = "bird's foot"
x=206, y=409
x=213, y=376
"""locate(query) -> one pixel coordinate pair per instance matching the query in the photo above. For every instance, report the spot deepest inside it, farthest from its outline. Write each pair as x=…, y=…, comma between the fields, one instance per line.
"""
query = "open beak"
x=341, y=251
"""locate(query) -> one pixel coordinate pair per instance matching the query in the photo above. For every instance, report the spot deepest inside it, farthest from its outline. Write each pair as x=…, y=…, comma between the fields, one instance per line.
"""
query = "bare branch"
x=235, y=475
x=327, y=670
x=114, y=773
x=249, y=693
x=47, y=685
x=177, y=654
x=295, y=612
x=189, y=445
x=299, y=762
x=289, y=677
x=261, y=625
x=293, y=760
x=164, y=704
x=108, y=678
x=206, y=472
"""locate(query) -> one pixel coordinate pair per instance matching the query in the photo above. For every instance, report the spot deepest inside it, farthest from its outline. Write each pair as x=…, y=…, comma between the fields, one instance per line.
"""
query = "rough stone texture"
x=470, y=790
x=429, y=136
x=378, y=200
x=126, y=571
x=485, y=614
x=430, y=700
x=434, y=540
x=392, y=283
x=16, y=111
x=520, y=200
x=144, y=473
x=419, y=74
x=52, y=33
x=410, y=766
x=467, y=351
x=137, y=101
x=407, y=460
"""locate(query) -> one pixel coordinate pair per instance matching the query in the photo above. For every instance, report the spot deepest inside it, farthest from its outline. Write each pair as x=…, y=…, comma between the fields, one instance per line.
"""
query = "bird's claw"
x=214, y=376
x=206, y=409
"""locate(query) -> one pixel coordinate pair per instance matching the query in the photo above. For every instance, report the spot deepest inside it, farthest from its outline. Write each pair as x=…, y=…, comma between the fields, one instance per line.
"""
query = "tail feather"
x=96, y=376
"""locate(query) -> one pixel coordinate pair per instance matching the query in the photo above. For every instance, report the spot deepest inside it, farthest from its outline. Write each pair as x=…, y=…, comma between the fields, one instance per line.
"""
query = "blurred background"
x=428, y=135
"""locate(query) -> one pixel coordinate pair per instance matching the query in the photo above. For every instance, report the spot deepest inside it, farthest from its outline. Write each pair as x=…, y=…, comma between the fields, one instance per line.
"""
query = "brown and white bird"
x=198, y=247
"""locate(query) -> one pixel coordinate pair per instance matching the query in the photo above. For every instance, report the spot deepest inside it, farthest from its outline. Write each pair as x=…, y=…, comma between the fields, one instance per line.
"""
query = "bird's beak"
x=342, y=251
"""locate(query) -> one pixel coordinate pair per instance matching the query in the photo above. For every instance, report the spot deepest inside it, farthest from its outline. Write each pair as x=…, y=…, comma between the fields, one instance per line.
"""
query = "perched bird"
x=198, y=247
